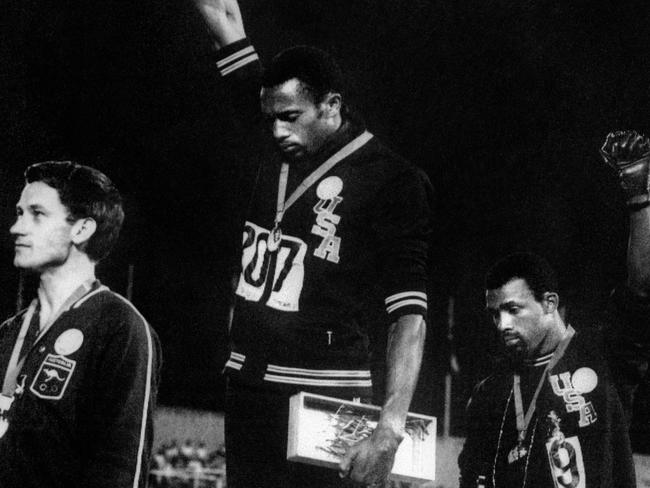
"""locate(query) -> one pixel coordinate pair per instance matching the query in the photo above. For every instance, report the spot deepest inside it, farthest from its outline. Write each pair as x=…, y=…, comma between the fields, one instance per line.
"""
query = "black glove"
x=628, y=152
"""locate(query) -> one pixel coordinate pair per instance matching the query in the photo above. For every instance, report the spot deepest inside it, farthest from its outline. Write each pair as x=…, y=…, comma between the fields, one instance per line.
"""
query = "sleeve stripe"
x=239, y=54
x=237, y=356
x=147, y=394
x=239, y=64
x=317, y=382
x=404, y=303
x=272, y=368
x=234, y=365
x=406, y=294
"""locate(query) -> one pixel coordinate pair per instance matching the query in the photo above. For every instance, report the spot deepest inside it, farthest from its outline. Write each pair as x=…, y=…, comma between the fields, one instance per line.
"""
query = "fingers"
x=345, y=465
x=624, y=146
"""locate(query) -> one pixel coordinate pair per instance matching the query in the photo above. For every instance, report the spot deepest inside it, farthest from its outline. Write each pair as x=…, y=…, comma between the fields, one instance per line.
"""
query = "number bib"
x=273, y=277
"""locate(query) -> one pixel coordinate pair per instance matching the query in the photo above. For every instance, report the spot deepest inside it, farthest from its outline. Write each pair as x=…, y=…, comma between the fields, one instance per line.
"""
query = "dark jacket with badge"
x=82, y=413
x=578, y=410
x=351, y=260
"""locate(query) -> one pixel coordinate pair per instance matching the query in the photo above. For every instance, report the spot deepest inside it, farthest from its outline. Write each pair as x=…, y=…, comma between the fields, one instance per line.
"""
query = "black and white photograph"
x=212, y=210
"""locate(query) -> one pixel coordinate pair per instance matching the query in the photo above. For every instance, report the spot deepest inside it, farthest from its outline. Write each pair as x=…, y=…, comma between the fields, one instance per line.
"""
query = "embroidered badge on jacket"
x=53, y=377
x=326, y=220
x=572, y=388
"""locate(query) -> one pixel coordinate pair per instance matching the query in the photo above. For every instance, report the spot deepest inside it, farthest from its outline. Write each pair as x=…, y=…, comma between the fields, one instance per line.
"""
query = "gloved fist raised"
x=628, y=152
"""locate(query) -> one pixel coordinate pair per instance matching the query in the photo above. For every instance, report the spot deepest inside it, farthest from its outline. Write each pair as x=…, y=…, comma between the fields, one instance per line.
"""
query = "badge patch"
x=68, y=342
x=329, y=188
x=586, y=380
x=326, y=220
x=53, y=377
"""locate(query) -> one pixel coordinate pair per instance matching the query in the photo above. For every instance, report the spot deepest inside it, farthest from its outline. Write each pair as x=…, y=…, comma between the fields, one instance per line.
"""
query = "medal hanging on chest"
x=275, y=236
x=282, y=205
x=5, y=405
x=519, y=451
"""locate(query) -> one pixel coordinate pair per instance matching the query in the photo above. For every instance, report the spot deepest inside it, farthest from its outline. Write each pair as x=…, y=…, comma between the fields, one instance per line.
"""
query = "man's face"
x=299, y=126
x=520, y=319
x=41, y=232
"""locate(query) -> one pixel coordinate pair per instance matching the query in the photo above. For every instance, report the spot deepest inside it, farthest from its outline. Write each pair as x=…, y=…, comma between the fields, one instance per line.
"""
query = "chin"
x=294, y=156
x=25, y=267
x=517, y=352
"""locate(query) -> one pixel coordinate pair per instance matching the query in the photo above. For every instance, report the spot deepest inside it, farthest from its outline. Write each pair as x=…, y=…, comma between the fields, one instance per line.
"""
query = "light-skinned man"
x=80, y=364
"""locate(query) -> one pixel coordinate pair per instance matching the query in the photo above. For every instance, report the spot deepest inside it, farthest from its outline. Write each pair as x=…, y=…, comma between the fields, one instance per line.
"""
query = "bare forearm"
x=403, y=360
x=638, y=253
x=224, y=21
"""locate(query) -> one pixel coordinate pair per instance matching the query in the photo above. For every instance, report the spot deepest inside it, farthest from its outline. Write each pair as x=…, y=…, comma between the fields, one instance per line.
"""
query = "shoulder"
x=587, y=344
x=386, y=167
x=114, y=314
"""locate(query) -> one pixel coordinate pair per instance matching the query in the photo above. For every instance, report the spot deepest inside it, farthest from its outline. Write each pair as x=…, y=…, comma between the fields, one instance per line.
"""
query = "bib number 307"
x=273, y=278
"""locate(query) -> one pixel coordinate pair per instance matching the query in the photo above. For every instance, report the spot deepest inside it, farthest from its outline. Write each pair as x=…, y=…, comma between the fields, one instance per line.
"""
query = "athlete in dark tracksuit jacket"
x=580, y=398
x=352, y=258
x=82, y=414
x=560, y=417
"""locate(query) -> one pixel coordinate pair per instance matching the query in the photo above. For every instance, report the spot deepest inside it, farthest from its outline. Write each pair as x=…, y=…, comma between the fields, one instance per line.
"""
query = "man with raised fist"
x=334, y=246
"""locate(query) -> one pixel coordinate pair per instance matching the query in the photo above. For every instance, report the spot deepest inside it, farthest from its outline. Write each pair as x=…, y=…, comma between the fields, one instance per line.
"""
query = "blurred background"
x=503, y=103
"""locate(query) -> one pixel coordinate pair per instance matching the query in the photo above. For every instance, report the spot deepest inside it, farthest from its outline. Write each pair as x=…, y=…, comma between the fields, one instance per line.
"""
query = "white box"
x=320, y=426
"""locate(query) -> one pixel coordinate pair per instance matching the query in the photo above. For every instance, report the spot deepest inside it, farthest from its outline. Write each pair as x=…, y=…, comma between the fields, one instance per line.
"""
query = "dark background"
x=503, y=103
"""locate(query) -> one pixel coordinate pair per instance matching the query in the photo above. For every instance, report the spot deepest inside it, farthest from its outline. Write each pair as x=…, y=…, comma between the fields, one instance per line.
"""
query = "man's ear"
x=331, y=105
x=82, y=230
x=550, y=302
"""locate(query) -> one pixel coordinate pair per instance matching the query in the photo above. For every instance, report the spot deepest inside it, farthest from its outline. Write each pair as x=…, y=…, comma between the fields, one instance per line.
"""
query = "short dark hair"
x=86, y=193
x=316, y=69
x=534, y=269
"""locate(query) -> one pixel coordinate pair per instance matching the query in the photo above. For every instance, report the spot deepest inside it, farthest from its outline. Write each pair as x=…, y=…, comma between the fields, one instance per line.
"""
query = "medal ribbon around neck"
x=15, y=365
x=283, y=205
x=524, y=421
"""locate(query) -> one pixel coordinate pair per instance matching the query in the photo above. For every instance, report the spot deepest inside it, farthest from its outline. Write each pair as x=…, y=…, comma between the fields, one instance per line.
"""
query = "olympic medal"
x=273, y=241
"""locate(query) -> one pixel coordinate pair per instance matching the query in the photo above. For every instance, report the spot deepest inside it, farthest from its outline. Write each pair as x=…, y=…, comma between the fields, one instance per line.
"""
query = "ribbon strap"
x=524, y=421
x=283, y=205
x=15, y=365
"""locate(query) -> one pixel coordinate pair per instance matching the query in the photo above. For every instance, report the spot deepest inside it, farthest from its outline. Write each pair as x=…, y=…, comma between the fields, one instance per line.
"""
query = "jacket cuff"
x=234, y=56
x=405, y=303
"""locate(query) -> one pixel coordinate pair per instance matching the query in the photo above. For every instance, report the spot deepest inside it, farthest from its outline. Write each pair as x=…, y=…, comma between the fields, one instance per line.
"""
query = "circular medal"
x=273, y=241
x=4, y=425
x=5, y=405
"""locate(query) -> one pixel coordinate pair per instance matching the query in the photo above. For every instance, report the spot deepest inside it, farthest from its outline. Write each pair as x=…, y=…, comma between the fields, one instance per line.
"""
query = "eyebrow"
x=503, y=305
x=33, y=206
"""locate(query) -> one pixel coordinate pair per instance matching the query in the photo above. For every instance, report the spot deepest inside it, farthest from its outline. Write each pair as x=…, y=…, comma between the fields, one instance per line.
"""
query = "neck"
x=552, y=339
x=57, y=284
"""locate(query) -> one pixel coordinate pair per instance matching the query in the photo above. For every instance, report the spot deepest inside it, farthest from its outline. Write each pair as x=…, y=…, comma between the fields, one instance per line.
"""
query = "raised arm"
x=629, y=154
x=223, y=19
